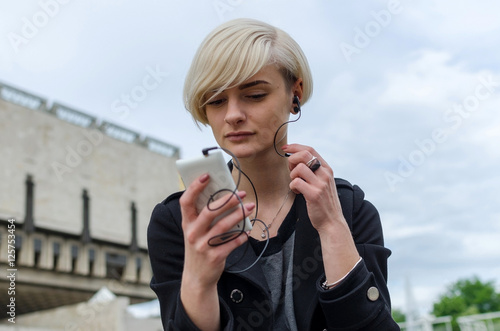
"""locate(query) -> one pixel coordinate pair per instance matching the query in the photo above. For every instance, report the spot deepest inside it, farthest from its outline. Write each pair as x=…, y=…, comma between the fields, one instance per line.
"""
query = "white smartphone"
x=220, y=183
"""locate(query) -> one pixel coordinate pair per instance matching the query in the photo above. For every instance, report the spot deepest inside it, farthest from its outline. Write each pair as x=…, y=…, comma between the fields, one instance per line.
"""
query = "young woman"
x=324, y=266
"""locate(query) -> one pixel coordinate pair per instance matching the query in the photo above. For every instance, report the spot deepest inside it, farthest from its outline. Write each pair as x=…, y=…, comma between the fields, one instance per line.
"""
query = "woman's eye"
x=257, y=96
x=216, y=102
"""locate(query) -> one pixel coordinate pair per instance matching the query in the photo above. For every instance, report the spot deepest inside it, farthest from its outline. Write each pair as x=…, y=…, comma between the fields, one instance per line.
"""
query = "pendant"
x=263, y=235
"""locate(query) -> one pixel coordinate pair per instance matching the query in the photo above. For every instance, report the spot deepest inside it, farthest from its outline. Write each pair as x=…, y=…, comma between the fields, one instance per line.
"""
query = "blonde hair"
x=234, y=52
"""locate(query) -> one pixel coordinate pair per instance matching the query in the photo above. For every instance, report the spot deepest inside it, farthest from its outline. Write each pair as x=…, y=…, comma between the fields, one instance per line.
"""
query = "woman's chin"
x=246, y=153
x=241, y=152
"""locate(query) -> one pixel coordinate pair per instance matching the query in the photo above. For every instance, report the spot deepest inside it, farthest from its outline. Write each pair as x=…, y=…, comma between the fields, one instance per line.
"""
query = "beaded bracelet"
x=327, y=286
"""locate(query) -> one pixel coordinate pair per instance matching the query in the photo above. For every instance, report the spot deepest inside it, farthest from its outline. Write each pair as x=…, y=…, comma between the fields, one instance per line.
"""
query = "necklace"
x=263, y=234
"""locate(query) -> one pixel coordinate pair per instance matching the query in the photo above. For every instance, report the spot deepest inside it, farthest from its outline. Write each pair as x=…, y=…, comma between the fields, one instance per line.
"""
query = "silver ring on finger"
x=313, y=164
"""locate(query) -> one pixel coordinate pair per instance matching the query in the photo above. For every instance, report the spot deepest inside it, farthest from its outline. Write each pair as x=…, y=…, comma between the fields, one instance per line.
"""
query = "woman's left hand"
x=317, y=187
x=325, y=212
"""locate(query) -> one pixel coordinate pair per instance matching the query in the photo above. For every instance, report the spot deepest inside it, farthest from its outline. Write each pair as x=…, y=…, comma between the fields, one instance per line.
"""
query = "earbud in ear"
x=296, y=101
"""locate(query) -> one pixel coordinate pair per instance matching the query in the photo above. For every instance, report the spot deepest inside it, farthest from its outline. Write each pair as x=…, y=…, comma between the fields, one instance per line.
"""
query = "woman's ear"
x=297, y=88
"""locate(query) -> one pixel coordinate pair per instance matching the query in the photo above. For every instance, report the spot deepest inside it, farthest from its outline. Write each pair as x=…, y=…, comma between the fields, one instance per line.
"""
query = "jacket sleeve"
x=166, y=252
x=362, y=301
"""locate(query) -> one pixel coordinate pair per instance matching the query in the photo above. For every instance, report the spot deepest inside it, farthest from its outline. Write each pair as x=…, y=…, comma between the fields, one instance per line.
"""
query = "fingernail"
x=250, y=206
x=284, y=147
x=242, y=194
x=203, y=178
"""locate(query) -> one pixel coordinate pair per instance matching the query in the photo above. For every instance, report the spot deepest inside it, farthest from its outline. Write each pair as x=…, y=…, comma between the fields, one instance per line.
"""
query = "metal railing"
x=21, y=98
x=479, y=322
x=427, y=323
x=73, y=116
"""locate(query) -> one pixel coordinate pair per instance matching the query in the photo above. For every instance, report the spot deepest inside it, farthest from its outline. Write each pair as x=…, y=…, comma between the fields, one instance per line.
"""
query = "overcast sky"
x=405, y=103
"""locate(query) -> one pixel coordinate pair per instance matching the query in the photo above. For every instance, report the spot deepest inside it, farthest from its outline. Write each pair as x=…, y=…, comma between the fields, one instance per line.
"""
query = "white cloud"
x=430, y=80
x=454, y=19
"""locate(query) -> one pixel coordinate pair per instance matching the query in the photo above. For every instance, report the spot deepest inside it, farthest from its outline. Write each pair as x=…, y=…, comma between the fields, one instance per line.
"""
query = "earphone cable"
x=278, y=130
x=233, y=234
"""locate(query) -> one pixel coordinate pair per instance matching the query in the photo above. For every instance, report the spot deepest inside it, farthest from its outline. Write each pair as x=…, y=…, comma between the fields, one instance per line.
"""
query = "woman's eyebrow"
x=247, y=85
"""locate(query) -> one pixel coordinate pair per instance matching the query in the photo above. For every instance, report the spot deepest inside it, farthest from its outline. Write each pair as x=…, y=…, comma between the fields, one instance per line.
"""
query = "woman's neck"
x=270, y=178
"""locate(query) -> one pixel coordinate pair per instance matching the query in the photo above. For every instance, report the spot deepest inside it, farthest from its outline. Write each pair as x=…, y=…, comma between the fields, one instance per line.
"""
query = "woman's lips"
x=238, y=135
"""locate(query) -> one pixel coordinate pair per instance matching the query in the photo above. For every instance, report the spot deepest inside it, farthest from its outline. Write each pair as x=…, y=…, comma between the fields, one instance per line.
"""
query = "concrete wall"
x=63, y=159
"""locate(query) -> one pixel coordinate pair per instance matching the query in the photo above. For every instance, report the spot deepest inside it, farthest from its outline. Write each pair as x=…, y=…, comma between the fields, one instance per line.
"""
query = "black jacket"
x=360, y=302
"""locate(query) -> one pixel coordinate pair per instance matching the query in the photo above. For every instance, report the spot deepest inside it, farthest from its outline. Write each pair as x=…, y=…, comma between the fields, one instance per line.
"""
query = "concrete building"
x=76, y=195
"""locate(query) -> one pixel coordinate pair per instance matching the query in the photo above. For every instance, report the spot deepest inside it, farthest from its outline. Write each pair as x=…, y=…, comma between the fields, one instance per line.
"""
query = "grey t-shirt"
x=277, y=265
x=278, y=270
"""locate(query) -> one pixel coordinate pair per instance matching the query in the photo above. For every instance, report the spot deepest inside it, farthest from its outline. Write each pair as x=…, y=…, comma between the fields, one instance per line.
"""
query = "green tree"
x=467, y=297
x=398, y=315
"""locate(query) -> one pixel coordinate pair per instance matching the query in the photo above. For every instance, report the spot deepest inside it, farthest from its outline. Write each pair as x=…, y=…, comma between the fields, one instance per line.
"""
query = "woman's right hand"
x=204, y=264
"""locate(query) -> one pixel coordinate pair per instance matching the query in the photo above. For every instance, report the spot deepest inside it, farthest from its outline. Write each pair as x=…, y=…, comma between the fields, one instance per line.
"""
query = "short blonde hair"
x=234, y=52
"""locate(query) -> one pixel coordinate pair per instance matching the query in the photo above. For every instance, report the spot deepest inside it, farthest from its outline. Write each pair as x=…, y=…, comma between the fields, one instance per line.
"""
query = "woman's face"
x=244, y=119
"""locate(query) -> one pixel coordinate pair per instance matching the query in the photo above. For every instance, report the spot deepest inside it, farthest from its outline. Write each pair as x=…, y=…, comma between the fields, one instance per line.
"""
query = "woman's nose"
x=235, y=113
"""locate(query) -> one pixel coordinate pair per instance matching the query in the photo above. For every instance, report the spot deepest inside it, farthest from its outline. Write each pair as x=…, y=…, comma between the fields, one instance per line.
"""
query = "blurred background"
x=405, y=105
